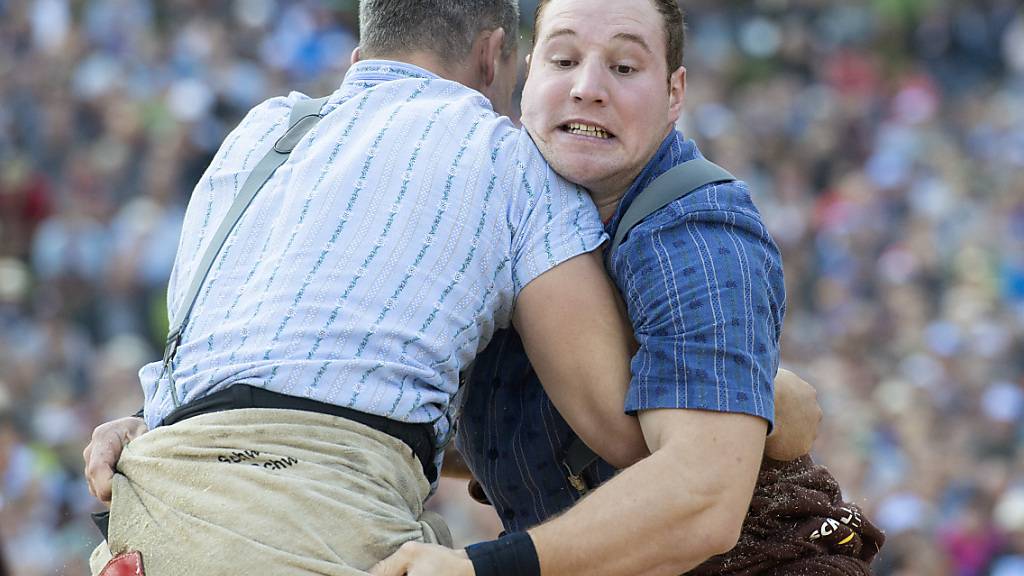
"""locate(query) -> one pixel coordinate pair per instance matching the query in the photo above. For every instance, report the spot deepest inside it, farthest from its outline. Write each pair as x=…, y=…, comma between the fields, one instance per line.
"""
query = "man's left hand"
x=418, y=559
x=797, y=416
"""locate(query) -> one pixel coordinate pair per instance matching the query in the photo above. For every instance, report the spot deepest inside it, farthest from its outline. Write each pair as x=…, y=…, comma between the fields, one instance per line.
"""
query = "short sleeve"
x=551, y=219
x=705, y=292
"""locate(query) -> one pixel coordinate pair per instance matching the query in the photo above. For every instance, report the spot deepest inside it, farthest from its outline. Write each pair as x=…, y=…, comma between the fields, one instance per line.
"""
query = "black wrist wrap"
x=512, y=555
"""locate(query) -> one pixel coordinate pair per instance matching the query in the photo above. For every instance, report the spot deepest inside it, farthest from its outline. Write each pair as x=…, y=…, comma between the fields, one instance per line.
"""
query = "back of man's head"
x=445, y=28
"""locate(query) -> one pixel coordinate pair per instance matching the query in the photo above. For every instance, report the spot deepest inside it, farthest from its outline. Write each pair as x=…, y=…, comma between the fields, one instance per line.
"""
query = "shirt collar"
x=372, y=72
x=674, y=150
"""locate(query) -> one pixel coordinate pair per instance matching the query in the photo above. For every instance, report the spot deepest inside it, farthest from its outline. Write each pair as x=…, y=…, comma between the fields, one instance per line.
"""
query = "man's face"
x=598, y=98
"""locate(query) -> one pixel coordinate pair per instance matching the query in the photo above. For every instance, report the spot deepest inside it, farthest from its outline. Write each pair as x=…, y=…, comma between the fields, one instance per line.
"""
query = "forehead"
x=615, y=19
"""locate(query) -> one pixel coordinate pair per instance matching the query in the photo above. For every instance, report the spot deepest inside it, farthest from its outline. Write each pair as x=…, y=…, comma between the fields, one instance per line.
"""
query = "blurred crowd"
x=884, y=140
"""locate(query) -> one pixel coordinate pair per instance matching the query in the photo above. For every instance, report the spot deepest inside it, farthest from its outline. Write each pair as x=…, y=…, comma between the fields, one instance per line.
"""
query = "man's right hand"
x=797, y=416
x=103, y=452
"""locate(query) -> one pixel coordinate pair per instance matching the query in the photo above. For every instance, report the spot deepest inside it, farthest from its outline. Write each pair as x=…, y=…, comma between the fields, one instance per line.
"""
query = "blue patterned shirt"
x=379, y=259
x=702, y=281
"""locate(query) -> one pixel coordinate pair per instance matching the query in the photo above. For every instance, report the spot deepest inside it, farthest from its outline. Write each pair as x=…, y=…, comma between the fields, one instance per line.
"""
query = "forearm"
x=628, y=527
x=664, y=515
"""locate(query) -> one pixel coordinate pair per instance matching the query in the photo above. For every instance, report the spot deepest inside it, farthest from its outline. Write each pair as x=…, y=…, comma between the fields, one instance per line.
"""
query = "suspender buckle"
x=171, y=348
x=173, y=341
x=576, y=480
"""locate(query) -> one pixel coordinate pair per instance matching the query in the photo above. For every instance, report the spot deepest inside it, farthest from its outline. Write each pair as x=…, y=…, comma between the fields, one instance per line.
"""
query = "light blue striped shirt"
x=379, y=259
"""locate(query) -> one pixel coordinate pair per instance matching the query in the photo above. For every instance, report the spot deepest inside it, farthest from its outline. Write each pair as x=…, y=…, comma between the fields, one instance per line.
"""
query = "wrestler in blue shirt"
x=703, y=285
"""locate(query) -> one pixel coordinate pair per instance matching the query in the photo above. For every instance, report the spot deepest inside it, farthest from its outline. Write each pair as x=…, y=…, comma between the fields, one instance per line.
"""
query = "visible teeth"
x=587, y=130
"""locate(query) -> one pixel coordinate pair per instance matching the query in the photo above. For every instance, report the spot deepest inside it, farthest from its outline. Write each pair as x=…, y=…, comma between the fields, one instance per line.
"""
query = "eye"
x=623, y=69
x=563, y=63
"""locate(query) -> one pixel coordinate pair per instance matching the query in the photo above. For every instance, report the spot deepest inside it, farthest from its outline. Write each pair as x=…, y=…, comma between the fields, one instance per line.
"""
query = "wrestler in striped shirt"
x=377, y=262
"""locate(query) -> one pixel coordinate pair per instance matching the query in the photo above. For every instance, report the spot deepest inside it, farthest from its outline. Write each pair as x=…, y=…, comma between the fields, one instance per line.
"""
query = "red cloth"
x=127, y=564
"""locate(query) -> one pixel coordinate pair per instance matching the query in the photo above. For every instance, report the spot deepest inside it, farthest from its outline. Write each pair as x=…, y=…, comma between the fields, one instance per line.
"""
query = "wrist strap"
x=511, y=555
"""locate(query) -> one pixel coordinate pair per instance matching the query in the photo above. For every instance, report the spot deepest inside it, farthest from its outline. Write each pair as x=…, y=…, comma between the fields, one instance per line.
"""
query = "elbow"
x=713, y=532
x=726, y=532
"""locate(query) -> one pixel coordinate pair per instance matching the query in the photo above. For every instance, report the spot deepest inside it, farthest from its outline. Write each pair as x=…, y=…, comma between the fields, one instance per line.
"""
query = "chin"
x=583, y=171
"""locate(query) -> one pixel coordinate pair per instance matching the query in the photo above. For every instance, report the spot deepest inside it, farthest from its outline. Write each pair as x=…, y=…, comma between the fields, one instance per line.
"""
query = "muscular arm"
x=706, y=300
x=669, y=512
x=662, y=516
x=580, y=346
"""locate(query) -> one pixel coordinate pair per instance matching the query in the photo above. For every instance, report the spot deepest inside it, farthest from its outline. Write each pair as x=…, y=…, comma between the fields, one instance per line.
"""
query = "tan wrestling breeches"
x=260, y=491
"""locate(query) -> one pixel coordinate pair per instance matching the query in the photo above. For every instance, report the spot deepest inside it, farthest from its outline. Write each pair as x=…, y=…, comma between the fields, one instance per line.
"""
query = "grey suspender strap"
x=674, y=184
x=678, y=182
x=305, y=114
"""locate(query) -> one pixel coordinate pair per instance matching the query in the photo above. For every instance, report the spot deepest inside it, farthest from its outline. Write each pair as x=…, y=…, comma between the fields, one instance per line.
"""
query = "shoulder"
x=725, y=209
x=717, y=229
x=728, y=203
x=272, y=110
x=467, y=116
x=451, y=99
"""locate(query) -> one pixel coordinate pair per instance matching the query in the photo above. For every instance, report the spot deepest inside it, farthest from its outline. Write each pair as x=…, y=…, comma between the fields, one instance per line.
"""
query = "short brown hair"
x=671, y=16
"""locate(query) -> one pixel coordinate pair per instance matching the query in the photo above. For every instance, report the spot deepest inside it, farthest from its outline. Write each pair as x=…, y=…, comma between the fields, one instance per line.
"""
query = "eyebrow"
x=624, y=36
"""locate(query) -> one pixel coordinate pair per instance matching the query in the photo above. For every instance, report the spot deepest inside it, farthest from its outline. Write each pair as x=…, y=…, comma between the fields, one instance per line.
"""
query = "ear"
x=529, y=58
x=676, y=94
x=356, y=56
x=489, y=50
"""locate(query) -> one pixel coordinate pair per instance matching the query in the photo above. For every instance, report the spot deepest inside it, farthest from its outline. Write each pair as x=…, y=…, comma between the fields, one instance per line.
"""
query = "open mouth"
x=581, y=129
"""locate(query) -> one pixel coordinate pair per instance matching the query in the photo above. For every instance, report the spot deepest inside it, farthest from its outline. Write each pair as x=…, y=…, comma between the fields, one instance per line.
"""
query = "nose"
x=589, y=84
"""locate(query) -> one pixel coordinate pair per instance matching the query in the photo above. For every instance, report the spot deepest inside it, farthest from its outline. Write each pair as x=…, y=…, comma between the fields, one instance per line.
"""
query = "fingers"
x=103, y=452
x=396, y=564
x=87, y=452
x=419, y=559
x=99, y=469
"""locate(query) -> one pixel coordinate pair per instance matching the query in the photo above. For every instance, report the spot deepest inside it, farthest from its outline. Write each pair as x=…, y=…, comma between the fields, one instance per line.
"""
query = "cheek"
x=541, y=94
x=646, y=119
x=531, y=105
x=528, y=103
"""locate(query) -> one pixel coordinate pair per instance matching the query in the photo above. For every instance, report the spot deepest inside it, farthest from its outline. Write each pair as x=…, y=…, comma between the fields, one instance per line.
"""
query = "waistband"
x=418, y=437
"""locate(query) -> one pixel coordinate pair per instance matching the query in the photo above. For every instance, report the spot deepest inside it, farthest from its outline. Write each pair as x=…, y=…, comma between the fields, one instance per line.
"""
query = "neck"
x=608, y=194
x=607, y=203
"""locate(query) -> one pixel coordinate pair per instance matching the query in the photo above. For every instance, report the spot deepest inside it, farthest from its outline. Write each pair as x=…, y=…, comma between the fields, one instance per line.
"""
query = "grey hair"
x=446, y=28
